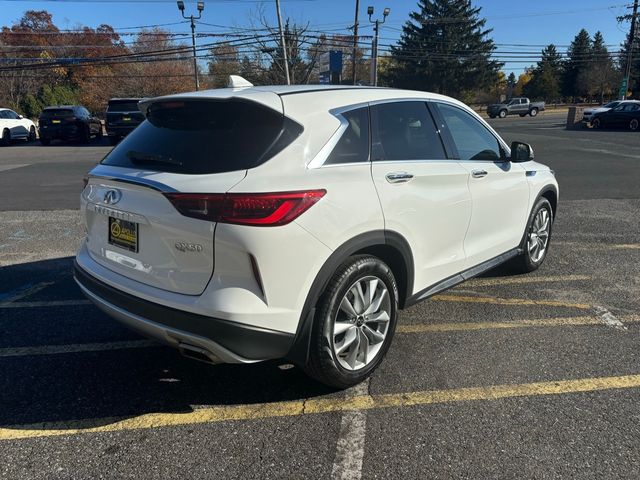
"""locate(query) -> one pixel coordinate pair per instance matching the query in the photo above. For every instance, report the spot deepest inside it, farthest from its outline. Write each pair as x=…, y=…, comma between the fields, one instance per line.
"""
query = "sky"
x=514, y=22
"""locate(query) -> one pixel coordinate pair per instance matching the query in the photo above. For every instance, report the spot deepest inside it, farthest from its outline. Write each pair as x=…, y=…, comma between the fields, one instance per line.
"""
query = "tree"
x=546, y=76
x=600, y=77
x=523, y=79
x=634, y=80
x=579, y=56
x=224, y=61
x=444, y=48
x=511, y=83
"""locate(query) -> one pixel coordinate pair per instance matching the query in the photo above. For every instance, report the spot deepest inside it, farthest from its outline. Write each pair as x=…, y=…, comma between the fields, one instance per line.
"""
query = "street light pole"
x=193, y=36
x=374, y=45
x=355, y=43
x=632, y=37
x=284, y=45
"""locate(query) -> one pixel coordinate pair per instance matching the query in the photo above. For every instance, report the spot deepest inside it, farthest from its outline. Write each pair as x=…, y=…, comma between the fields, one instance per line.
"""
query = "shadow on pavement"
x=101, y=386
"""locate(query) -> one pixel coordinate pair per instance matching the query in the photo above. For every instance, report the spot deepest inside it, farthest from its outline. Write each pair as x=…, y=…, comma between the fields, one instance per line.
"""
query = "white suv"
x=246, y=224
x=14, y=127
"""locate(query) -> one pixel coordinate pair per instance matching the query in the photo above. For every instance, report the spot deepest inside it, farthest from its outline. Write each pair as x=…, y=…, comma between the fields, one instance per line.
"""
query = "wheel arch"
x=391, y=247
x=550, y=192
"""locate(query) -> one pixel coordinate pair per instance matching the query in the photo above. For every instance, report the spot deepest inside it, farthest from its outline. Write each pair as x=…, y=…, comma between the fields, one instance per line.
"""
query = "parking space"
x=504, y=376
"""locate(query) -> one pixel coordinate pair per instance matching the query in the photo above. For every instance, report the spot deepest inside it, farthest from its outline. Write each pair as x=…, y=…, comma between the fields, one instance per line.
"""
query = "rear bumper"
x=120, y=131
x=71, y=132
x=220, y=341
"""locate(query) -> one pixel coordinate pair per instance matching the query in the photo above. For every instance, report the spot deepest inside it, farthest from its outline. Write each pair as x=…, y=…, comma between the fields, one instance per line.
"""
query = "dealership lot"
x=500, y=377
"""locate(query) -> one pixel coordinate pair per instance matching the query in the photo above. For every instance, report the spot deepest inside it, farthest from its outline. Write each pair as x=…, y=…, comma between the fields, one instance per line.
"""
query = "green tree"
x=600, y=77
x=445, y=48
x=546, y=76
x=579, y=55
x=634, y=81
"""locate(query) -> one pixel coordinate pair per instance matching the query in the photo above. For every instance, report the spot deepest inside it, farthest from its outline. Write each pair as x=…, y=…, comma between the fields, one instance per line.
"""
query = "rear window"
x=122, y=106
x=200, y=137
x=57, y=112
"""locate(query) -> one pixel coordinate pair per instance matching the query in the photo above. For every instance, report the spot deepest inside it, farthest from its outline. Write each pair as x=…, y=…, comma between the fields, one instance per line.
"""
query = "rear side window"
x=472, y=140
x=204, y=136
x=404, y=131
x=353, y=146
x=123, y=106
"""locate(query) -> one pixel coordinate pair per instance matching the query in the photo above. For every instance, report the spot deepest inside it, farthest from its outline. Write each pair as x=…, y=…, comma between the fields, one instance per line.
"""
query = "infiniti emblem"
x=111, y=197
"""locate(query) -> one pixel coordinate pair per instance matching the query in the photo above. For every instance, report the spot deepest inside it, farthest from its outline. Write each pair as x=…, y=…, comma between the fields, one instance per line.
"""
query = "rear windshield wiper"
x=141, y=157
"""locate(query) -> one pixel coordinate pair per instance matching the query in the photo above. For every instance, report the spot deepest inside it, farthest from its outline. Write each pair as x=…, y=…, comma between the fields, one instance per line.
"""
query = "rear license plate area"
x=123, y=234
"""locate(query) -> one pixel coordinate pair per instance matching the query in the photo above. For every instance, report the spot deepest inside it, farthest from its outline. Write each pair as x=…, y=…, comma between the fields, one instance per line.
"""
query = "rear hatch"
x=54, y=119
x=124, y=113
x=188, y=146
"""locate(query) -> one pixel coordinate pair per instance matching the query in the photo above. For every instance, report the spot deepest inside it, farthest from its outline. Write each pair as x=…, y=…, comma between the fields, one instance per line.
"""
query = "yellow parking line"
x=542, y=322
x=482, y=282
x=599, y=246
x=508, y=301
x=317, y=406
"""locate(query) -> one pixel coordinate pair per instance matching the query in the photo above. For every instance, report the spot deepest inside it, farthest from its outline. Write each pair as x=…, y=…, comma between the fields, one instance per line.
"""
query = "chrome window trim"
x=319, y=160
x=321, y=157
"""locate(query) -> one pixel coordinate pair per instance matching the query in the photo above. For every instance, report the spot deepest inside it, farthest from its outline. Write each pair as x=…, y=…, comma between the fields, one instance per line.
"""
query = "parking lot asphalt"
x=530, y=376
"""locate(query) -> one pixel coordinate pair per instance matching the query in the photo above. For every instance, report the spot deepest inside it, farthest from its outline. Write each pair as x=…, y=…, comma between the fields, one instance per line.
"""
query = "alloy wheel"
x=539, y=235
x=361, y=323
x=634, y=124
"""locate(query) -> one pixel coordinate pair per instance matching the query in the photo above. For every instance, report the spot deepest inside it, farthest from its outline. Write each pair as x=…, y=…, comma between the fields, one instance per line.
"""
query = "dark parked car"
x=123, y=116
x=625, y=115
x=68, y=122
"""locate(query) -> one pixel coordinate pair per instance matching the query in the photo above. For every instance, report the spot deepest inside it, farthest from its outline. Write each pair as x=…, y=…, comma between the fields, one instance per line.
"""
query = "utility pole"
x=355, y=43
x=193, y=37
x=374, y=45
x=632, y=38
x=284, y=45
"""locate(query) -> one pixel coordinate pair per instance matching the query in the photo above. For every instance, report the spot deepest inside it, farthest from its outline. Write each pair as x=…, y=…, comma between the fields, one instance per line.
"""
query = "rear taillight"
x=260, y=209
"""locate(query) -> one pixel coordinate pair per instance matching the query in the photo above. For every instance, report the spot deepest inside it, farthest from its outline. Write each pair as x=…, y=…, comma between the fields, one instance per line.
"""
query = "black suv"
x=123, y=116
x=68, y=122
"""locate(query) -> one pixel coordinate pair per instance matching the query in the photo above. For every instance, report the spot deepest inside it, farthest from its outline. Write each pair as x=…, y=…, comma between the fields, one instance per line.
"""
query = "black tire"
x=45, y=141
x=502, y=113
x=323, y=365
x=524, y=263
x=113, y=140
x=596, y=123
x=32, y=135
x=533, y=112
x=86, y=135
x=634, y=125
x=6, y=137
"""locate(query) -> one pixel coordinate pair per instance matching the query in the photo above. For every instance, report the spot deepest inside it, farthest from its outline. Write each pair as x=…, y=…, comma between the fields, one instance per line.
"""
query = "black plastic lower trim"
x=252, y=343
x=461, y=277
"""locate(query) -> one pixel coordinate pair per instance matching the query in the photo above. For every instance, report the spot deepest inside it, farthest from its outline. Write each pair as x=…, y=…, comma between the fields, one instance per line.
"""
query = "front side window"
x=404, y=131
x=353, y=146
x=471, y=138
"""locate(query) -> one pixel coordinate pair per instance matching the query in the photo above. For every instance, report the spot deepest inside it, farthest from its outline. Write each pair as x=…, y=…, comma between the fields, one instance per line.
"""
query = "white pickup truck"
x=520, y=106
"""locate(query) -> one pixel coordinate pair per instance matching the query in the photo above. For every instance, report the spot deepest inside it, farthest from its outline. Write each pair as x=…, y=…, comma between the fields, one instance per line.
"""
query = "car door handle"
x=479, y=173
x=398, y=177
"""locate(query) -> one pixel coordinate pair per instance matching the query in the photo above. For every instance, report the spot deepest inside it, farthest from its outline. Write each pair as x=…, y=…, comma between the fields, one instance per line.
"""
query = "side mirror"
x=521, y=152
x=21, y=116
